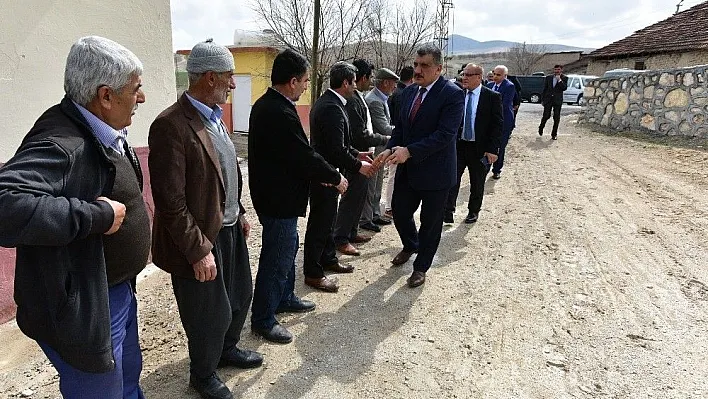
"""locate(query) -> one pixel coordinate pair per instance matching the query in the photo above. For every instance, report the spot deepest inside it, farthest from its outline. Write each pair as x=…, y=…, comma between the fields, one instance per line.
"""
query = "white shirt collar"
x=341, y=98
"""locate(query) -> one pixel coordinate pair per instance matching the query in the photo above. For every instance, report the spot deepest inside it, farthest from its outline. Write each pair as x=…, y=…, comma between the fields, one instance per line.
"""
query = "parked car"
x=531, y=88
x=576, y=87
x=613, y=73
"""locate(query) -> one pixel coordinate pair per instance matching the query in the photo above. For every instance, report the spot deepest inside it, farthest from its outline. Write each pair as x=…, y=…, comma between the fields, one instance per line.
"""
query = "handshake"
x=370, y=166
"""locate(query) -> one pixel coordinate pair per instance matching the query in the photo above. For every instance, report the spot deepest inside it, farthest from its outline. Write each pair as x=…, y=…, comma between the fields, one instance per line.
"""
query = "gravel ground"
x=585, y=277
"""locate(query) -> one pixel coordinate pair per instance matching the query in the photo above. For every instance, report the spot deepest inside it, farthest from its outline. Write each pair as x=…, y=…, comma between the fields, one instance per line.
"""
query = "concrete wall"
x=669, y=101
x=35, y=37
x=659, y=61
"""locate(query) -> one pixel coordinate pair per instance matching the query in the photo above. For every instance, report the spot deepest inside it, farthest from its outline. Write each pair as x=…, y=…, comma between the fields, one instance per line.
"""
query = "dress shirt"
x=341, y=98
x=471, y=102
x=106, y=135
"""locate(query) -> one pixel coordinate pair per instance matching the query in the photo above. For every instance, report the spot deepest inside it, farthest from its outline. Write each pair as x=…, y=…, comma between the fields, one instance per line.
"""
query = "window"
x=639, y=65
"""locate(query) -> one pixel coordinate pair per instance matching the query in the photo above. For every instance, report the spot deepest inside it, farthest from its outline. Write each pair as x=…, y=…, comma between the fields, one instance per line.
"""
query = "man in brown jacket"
x=199, y=230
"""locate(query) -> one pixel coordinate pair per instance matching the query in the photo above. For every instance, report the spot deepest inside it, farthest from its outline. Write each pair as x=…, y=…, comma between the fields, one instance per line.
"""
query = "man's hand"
x=366, y=169
x=365, y=156
x=491, y=157
x=381, y=158
x=205, y=269
x=343, y=184
x=245, y=225
x=399, y=155
x=118, y=214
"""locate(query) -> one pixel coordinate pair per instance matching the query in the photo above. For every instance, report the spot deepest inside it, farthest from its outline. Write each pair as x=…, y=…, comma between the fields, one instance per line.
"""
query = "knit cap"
x=209, y=56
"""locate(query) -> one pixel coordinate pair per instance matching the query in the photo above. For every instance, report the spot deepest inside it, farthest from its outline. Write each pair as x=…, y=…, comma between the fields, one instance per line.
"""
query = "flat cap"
x=209, y=56
x=386, y=74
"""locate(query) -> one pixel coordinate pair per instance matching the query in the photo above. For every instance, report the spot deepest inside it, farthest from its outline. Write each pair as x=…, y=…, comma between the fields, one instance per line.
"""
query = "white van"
x=576, y=86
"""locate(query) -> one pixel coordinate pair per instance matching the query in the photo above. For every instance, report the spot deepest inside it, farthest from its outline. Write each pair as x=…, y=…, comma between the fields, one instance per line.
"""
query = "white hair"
x=503, y=68
x=95, y=61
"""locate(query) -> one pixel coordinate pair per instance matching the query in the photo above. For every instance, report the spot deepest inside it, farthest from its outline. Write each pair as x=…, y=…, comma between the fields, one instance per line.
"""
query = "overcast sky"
x=581, y=23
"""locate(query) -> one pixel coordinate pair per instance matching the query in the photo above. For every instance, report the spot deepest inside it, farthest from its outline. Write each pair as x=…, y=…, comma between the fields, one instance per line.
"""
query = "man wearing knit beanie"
x=199, y=230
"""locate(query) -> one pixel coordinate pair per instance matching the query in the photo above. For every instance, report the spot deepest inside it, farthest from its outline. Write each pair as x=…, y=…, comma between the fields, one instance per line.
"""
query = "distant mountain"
x=459, y=44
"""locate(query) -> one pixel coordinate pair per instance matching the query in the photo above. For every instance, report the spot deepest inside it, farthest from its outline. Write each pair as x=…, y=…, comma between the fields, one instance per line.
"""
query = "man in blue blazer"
x=422, y=144
x=503, y=86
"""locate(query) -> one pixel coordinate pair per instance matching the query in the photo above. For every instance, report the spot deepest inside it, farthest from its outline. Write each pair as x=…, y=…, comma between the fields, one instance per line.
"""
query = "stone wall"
x=669, y=102
x=660, y=61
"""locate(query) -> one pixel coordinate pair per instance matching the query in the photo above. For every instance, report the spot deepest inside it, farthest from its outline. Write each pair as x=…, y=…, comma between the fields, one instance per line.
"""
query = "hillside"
x=459, y=44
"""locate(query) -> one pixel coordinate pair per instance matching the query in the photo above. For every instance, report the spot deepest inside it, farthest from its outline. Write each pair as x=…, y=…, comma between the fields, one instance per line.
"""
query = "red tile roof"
x=685, y=31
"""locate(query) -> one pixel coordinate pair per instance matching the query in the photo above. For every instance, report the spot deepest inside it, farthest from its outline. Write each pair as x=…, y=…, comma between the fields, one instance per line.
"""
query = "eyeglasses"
x=471, y=74
x=497, y=74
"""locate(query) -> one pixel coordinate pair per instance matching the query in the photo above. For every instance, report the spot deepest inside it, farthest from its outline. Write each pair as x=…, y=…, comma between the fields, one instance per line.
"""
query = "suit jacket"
x=187, y=188
x=554, y=95
x=488, y=122
x=380, y=116
x=394, y=101
x=362, y=138
x=329, y=133
x=281, y=162
x=431, y=136
x=508, y=94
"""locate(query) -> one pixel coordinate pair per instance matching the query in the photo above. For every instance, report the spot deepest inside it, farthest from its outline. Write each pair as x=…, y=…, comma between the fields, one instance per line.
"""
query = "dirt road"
x=585, y=277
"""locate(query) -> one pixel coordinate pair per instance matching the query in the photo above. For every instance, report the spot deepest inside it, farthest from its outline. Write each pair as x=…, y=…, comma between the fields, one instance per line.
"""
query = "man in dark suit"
x=394, y=104
x=477, y=142
x=363, y=136
x=281, y=165
x=503, y=86
x=329, y=136
x=199, y=230
x=553, y=88
x=423, y=147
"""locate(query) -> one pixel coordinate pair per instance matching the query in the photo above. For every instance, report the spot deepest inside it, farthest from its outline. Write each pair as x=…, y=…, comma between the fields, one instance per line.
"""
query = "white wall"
x=35, y=37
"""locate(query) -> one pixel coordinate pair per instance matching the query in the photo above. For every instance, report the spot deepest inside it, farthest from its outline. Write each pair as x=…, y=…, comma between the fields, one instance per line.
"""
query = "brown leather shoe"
x=359, y=239
x=324, y=284
x=416, y=279
x=348, y=249
x=402, y=258
x=339, y=268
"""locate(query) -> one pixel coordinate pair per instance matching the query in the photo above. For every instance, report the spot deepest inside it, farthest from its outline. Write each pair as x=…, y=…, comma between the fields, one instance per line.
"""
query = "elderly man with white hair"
x=71, y=203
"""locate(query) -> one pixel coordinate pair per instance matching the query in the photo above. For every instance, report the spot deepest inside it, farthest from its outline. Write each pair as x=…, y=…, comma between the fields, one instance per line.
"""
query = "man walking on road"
x=553, y=88
x=503, y=86
x=423, y=147
x=478, y=141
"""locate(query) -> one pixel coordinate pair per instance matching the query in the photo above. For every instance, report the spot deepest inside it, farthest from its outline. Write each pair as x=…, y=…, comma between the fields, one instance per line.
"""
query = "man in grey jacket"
x=377, y=101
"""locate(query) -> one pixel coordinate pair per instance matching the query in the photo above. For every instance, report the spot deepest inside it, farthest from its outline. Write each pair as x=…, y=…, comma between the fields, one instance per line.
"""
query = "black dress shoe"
x=402, y=257
x=540, y=132
x=554, y=137
x=471, y=217
x=371, y=227
x=338, y=268
x=277, y=334
x=241, y=358
x=496, y=176
x=448, y=218
x=416, y=279
x=297, y=305
x=381, y=221
x=210, y=387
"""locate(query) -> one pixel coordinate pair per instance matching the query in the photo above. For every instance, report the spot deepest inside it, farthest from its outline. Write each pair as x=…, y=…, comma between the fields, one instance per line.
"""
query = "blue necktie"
x=469, y=118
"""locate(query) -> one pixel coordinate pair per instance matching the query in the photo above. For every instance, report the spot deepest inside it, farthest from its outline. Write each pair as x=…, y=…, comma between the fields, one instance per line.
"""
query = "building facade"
x=36, y=37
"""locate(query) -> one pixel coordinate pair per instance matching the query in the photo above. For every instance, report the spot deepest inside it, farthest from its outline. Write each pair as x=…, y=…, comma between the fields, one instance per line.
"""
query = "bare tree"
x=524, y=57
x=397, y=30
x=342, y=32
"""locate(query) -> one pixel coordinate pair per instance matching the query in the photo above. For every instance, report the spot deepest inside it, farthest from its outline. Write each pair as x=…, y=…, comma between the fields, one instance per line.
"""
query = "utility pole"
x=442, y=22
x=678, y=6
x=314, y=75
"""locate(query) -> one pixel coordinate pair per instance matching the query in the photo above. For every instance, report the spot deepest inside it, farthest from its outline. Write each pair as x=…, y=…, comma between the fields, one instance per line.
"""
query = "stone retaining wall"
x=669, y=102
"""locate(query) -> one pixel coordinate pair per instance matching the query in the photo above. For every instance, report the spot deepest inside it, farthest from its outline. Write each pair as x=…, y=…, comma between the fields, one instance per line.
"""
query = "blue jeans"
x=122, y=382
x=275, y=281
